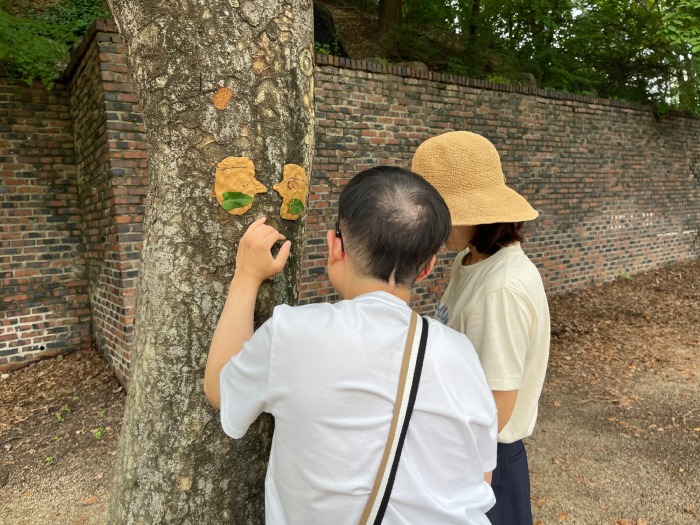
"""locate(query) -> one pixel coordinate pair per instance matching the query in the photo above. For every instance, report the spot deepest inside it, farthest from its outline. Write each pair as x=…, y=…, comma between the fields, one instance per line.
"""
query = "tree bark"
x=474, y=22
x=174, y=464
x=390, y=18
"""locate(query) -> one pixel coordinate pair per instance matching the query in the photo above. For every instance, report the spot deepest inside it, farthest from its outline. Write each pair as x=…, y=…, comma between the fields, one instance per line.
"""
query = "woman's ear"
x=426, y=271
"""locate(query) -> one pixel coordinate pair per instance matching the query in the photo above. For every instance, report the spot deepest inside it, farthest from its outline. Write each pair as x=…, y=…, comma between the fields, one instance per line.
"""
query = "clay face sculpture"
x=235, y=184
x=294, y=189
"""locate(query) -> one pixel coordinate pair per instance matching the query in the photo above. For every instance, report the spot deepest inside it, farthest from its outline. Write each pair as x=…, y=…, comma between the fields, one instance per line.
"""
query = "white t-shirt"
x=328, y=373
x=501, y=306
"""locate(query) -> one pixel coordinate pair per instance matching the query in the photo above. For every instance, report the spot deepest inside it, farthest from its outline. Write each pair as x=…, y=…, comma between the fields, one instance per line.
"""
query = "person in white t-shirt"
x=328, y=373
x=495, y=297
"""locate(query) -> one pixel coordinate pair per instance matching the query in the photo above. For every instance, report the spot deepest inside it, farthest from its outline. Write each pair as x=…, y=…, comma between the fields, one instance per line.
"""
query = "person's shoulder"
x=307, y=321
x=516, y=257
x=493, y=274
x=455, y=355
x=519, y=269
x=283, y=311
x=313, y=314
x=448, y=338
x=435, y=325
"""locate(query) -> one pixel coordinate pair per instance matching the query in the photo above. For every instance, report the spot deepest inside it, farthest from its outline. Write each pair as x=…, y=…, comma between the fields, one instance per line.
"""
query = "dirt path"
x=617, y=442
x=59, y=422
x=618, y=439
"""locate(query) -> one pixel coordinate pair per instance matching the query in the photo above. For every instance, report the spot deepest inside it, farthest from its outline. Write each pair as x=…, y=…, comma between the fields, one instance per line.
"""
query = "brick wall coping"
x=432, y=76
x=109, y=26
x=81, y=47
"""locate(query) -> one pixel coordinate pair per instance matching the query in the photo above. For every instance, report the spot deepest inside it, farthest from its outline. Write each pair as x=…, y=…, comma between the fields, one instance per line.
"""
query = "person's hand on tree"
x=254, y=259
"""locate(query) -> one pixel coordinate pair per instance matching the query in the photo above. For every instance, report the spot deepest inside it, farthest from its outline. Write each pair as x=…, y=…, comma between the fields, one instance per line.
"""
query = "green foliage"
x=65, y=409
x=322, y=49
x=35, y=43
x=680, y=31
x=644, y=51
x=27, y=49
x=637, y=50
x=235, y=199
x=74, y=17
x=499, y=79
x=380, y=60
x=681, y=24
x=328, y=49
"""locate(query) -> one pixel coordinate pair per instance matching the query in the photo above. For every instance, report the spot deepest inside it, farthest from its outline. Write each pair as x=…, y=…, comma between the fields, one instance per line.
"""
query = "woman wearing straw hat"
x=495, y=296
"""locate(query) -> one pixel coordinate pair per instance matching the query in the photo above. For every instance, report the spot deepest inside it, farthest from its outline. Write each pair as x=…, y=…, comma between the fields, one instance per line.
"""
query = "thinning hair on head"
x=392, y=222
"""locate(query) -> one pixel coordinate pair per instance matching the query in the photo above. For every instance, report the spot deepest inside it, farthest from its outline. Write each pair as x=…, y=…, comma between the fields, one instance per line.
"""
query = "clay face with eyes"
x=235, y=184
x=294, y=189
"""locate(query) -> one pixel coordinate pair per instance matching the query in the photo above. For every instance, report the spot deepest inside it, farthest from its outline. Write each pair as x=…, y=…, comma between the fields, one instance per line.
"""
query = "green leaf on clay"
x=235, y=199
x=296, y=207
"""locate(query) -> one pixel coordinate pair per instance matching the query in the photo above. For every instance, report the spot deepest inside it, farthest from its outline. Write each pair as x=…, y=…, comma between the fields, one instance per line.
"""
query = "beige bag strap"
x=406, y=392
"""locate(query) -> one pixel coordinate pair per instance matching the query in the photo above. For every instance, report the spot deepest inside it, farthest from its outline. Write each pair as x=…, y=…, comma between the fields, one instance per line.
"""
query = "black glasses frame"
x=339, y=235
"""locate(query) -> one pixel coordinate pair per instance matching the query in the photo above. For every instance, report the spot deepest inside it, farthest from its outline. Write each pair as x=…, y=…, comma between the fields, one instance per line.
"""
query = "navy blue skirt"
x=511, y=485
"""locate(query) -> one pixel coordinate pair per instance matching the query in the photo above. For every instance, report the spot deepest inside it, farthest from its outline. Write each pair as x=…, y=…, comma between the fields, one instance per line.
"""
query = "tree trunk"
x=217, y=78
x=474, y=18
x=390, y=18
x=474, y=22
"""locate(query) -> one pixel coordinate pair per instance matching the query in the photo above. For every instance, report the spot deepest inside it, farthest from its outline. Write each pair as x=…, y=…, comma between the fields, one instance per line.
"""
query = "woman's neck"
x=474, y=256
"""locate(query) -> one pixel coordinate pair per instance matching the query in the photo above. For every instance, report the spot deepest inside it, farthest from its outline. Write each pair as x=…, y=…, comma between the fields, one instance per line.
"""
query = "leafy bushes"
x=35, y=42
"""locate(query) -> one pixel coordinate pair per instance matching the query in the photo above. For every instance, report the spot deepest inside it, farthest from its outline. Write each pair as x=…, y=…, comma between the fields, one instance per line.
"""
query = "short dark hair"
x=490, y=238
x=392, y=222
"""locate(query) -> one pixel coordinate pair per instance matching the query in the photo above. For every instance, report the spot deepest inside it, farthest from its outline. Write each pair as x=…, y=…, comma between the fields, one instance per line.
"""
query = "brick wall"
x=44, y=307
x=111, y=159
x=618, y=190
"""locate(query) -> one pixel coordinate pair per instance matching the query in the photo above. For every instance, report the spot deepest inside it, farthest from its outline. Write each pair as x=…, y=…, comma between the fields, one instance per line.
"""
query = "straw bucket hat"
x=466, y=169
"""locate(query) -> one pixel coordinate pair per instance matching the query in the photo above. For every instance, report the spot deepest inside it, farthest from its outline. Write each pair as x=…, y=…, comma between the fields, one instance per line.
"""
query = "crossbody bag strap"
x=407, y=390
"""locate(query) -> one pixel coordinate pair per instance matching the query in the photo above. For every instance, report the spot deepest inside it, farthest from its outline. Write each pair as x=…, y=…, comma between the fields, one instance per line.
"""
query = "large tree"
x=217, y=79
